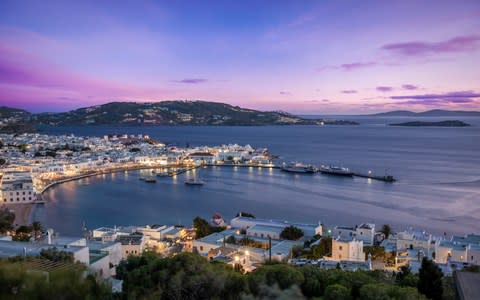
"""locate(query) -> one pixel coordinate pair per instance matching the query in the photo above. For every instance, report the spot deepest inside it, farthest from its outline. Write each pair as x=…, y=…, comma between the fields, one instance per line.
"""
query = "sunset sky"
x=318, y=57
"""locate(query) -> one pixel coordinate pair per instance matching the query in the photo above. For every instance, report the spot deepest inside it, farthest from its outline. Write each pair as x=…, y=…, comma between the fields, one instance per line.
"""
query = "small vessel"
x=334, y=170
x=194, y=181
x=150, y=179
x=299, y=168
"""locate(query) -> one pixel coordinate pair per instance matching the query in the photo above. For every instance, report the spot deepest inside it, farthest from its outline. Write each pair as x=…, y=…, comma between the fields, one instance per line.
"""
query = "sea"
x=437, y=171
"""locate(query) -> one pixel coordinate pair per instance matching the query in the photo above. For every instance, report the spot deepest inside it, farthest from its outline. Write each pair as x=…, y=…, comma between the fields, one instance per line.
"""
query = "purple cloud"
x=349, y=67
x=450, y=95
x=421, y=48
x=317, y=101
x=409, y=87
x=459, y=97
x=357, y=65
x=285, y=93
x=384, y=89
x=192, y=80
x=349, y=92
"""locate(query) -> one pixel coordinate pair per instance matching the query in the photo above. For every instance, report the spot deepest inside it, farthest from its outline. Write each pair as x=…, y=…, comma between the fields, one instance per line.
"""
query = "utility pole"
x=269, y=249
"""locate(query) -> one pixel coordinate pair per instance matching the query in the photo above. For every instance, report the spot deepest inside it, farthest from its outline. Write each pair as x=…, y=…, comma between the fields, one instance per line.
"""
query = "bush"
x=291, y=233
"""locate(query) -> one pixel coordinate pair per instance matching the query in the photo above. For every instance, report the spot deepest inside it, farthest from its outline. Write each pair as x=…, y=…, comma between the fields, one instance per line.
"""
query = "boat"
x=334, y=170
x=299, y=168
x=150, y=179
x=193, y=181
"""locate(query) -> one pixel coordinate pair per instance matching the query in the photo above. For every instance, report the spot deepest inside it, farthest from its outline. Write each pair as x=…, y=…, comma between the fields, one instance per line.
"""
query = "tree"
x=53, y=254
x=336, y=292
x=37, y=227
x=430, y=280
x=6, y=220
x=245, y=214
x=203, y=228
x=324, y=248
x=291, y=233
x=2, y=161
x=386, y=230
x=23, y=233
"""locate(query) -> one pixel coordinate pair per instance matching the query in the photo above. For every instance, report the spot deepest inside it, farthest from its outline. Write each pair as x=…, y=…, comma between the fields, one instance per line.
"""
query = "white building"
x=347, y=250
x=17, y=188
x=414, y=239
x=459, y=249
x=364, y=232
x=245, y=223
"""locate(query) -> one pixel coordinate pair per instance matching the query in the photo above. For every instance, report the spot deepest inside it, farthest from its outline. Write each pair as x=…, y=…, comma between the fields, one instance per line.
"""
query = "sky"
x=306, y=57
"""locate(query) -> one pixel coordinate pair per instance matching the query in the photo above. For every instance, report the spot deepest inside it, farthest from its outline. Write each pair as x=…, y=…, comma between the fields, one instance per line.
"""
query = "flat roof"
x=261, y=227
x=468, y=285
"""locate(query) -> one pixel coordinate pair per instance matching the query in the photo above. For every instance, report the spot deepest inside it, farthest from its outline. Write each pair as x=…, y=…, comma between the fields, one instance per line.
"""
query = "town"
x=32, y=163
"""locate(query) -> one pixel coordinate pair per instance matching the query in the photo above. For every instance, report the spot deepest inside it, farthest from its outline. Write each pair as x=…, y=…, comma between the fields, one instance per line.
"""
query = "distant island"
x=429, y=113
x=162, y=113
x=448, y=123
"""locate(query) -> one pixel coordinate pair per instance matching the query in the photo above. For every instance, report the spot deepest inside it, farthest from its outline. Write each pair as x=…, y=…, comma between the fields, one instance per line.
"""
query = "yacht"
x=193, y=181
x=334, y=170
x=150, y=179
x=299, y=168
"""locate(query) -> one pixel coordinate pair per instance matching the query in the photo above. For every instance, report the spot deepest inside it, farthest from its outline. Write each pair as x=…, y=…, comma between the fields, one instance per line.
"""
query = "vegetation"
x=6, y=219
x=448, y=123
x=189, y=276
x=19, y=282
x=203, y=228
x=52, y=254
x=430, y=280
x=245, y=214
x=386, y=230
x=291, y=233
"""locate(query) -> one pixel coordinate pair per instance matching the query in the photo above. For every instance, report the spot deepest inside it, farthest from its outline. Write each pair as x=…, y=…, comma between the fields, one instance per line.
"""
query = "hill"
x=429, y=113
x=173, y=113
x=448, y=123
x=13, y=113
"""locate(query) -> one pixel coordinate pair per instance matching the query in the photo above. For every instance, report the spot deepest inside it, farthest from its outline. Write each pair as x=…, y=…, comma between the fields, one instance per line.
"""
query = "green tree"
x=6, y=219
x=336, y=292
x=324, y=248
x=291, y=233
x=2, y=161
x=37, y=228
x=386, y=230
x=203, y=228
x=430, y=280
x=23, y=233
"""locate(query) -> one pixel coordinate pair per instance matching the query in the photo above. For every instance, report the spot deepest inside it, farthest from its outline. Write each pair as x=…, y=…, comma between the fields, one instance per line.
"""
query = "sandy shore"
x=22, y=213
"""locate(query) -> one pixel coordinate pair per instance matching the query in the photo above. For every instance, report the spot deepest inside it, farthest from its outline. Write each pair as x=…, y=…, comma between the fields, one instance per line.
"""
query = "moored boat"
x=299, y=168
x=334, y=170
x=193, y=181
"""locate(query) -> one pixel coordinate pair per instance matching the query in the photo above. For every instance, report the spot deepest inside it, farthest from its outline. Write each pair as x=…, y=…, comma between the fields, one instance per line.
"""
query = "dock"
x=385, y=178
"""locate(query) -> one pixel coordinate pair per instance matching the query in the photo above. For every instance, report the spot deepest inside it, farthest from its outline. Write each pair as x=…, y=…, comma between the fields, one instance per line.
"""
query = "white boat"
x=193, y=181
x=334, y=170
x=299, y=168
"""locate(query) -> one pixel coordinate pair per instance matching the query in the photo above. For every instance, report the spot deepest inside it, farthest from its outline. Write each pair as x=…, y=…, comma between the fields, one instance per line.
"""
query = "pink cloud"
x=349, y=92
x=422, y=48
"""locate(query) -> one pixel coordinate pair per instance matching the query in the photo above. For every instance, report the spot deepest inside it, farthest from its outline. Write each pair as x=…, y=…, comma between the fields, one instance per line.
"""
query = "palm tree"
x=386, y=230
x=37, y=227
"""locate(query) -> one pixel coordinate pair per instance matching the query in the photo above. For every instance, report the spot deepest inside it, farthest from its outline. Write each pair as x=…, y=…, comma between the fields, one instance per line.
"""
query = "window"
x=340, y=247
x=201, y=248
x=23, y=199
x=29, y=198
x=23, y=193
x=5, y=200
x=30, y=192
x=18, y=199
x=126, y=251
x=18, y=193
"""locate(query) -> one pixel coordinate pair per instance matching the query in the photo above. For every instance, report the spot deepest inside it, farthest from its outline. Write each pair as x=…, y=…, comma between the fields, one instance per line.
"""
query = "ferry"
x=193, y=181
x=299, y=168
x=334, y=170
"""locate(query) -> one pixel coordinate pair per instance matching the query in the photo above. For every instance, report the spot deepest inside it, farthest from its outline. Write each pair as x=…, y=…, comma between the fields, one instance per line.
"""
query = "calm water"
x=438, y=171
